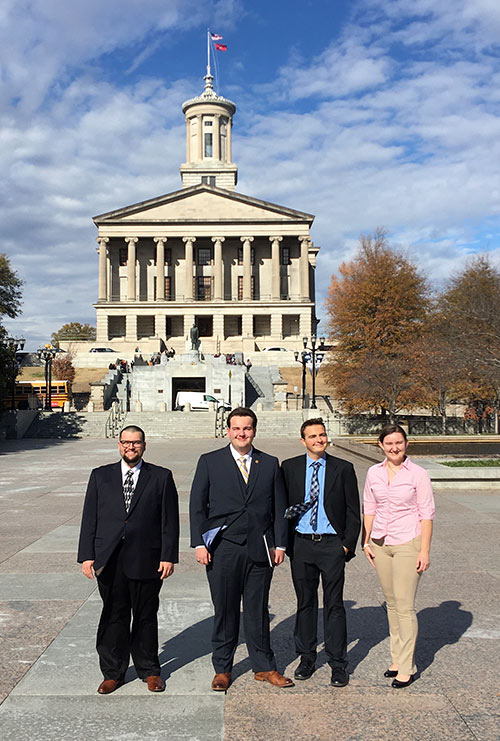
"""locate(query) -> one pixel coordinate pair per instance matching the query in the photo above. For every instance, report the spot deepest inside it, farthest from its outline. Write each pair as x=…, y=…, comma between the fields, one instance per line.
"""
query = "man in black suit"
x=239, y=532
x=129, y=539
x=324, y=514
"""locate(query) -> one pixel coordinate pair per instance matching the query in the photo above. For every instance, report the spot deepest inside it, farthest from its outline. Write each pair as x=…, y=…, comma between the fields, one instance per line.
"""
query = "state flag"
x=221, y=47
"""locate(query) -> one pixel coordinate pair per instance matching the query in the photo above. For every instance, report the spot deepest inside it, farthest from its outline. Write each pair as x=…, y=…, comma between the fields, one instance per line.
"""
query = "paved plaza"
x=49, y=612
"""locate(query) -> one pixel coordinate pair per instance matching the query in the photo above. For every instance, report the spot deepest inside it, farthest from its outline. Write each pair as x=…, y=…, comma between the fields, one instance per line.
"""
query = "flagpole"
x=208, y=52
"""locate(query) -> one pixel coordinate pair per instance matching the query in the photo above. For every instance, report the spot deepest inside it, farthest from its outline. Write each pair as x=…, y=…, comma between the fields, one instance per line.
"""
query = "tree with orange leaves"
x=378, y=308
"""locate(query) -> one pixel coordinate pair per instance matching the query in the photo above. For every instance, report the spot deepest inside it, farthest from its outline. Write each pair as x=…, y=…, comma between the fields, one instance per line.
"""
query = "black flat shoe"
x=397, y=684
x=391, y=673
x=305, y=669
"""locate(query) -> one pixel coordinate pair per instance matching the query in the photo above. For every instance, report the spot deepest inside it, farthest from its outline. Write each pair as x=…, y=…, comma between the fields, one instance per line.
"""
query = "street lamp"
x=310, y=354
x=15, y=347
x=47, y=355
x=304, y=359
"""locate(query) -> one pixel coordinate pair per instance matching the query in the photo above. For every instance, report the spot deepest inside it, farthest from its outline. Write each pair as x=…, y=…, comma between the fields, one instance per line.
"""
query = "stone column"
x=275, y=267
x=103, y=271
x=276, y=327
x=131, y=328
x=218, y=268
x=218, y=328
x=160, y=267
x=229, y=155
x=131, y=268
x=199, y=119
x=247, y=268
x=161, y=326
x=102, y=327
x=188, y=140
x=188, y=252
x=304, y=269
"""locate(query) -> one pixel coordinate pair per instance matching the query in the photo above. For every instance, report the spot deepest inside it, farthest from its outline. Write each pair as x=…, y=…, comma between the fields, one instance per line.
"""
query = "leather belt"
x=316, y=537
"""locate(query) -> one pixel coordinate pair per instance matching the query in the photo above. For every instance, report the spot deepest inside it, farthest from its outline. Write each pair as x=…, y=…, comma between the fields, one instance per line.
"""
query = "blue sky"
x=365, y=113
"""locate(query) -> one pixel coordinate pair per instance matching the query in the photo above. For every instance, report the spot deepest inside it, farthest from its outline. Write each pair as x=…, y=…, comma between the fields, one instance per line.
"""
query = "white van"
x=199, y=400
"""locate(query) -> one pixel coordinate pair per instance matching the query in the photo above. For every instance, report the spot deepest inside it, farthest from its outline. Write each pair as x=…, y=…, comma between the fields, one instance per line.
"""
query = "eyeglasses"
x=131, y=443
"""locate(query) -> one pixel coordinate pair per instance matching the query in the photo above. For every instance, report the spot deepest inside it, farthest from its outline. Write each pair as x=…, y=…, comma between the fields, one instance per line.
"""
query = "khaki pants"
x=397, y=572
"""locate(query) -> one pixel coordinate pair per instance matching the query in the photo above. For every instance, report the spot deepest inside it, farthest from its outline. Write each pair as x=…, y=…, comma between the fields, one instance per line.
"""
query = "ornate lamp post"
x=47, y=355
x=311, y=354
x=304, y=358
x=15, y=346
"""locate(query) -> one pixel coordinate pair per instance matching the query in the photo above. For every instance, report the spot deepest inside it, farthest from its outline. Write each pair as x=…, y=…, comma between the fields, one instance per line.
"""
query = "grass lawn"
x=476, y=462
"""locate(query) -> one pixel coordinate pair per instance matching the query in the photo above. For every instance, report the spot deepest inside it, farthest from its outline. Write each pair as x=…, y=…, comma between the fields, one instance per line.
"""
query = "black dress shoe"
x=391, y=673
x=397, y=684
x=305, y=669
x=340, y=677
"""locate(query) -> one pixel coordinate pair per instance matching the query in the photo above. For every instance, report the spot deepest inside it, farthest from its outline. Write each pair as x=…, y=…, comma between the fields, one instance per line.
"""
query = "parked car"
x=102, y=349
x=199, y=400
x=275, y=349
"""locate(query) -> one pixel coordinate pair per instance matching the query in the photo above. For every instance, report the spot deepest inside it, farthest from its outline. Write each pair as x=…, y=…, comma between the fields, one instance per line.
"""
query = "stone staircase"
x=259, y=388
x=174, y=424
x=69, y=425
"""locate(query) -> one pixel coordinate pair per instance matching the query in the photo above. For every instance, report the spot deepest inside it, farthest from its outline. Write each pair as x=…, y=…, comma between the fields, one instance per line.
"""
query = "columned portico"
x=240, y=267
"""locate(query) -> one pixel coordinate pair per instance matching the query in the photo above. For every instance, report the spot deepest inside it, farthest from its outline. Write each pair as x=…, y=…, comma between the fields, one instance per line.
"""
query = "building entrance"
x=186, y=384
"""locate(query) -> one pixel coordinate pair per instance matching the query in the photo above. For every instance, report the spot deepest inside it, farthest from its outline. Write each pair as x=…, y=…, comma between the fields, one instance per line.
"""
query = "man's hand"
x=279, y=556
x=166, y=569
x=203, y=556
x=88, y=569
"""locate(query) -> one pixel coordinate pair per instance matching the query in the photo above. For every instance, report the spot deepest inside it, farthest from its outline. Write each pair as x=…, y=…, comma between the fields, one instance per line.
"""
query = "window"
x=285, y=255
x=208, y=179
x=167, y=288
x=208, y=137
x=203, y=288
x=240, y=287
x=123, y=256
x=204, y=256
x=240, y=256
x=168, y=256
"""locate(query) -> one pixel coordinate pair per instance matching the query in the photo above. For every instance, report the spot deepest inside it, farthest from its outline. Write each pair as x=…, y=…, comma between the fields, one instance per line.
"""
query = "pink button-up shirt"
x=399, y=506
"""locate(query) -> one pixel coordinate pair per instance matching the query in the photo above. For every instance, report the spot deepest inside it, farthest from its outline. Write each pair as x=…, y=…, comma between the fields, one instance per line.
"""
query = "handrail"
x=220, y=418
x=115, y=419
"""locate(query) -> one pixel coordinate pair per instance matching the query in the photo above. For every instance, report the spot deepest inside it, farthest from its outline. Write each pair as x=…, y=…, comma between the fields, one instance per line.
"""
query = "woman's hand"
x=423, y=561
x=367, y=550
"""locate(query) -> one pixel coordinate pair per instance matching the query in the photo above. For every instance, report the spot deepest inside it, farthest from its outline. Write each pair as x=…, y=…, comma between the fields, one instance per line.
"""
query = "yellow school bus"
x=34, y=393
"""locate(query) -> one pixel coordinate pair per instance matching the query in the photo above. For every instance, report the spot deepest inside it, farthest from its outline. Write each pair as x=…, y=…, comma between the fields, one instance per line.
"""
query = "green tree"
x=378, y=308
x=10, y=306
x=73, y=331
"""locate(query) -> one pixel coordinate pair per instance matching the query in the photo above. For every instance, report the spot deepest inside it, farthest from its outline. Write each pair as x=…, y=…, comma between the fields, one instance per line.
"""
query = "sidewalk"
x=49, y=612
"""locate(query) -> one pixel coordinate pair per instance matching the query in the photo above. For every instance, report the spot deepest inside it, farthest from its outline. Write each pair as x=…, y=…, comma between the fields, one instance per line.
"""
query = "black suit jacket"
x=150, y=530
x=341, y=497
x=219, y=496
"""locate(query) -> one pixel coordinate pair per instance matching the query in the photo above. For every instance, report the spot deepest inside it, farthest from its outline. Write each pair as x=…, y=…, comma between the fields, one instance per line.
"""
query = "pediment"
x=205, y=204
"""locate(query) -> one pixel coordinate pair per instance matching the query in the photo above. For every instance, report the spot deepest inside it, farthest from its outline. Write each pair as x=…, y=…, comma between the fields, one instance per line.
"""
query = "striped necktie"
x=128, y=489
x=242, y=465
x=311, y=504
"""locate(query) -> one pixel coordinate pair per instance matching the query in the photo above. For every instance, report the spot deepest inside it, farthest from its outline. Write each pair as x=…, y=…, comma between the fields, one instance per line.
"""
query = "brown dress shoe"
x=275, y=678
x=109, y=685
x=221, y=682
x=155, y=683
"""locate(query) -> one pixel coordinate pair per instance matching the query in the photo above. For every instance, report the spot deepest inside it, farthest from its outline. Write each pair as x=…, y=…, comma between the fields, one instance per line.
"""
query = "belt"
x=316, y=537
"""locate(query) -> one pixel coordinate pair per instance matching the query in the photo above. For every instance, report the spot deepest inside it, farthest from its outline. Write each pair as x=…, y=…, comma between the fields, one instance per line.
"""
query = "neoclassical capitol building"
x=240, y=268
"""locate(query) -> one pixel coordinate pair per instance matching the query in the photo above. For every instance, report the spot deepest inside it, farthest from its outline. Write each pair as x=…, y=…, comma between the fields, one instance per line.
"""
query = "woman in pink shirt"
x=398, y=509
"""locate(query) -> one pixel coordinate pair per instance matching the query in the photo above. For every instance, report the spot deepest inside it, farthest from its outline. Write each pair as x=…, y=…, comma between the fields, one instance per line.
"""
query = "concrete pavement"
x=49, y=612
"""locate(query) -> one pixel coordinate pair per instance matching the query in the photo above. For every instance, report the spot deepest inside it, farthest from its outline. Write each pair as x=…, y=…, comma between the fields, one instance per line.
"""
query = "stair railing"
x=114, y=422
